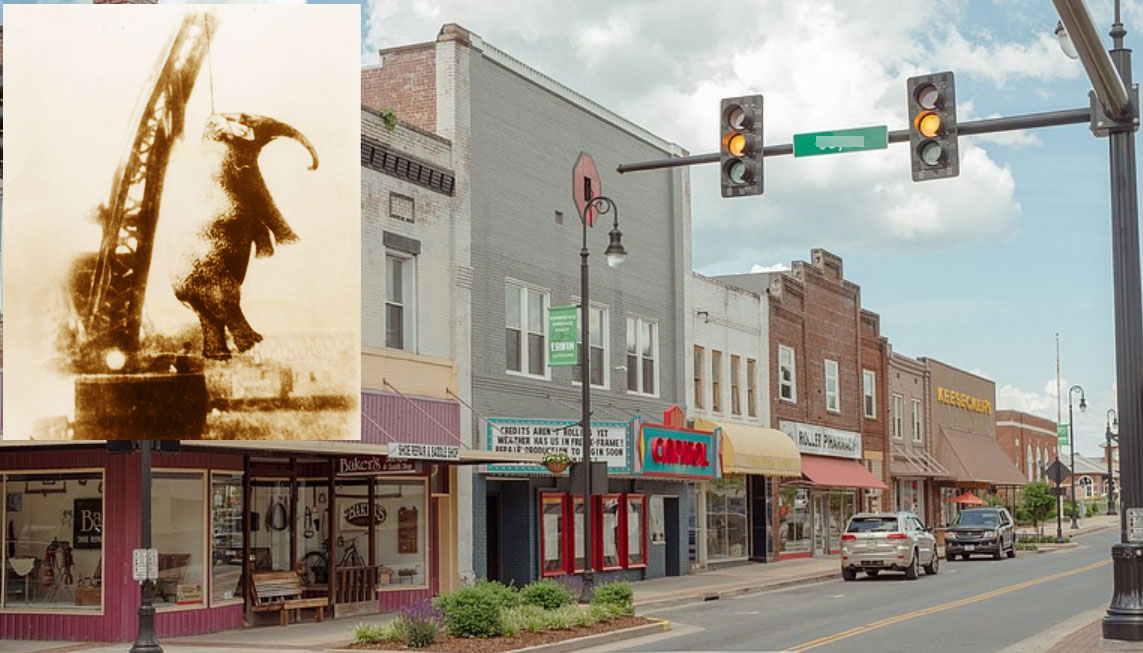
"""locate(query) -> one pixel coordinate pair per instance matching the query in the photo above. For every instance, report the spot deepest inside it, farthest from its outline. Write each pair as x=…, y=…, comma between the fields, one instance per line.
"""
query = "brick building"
x=1028, y=440
x=827, y=383
x=511, y=175
x=913, y=467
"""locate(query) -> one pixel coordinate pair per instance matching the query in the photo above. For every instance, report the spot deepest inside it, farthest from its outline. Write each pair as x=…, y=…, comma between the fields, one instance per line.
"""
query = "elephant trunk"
x=267, y=129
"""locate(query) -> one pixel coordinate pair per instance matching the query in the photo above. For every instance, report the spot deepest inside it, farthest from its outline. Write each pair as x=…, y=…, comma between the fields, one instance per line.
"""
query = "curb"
x=660, y=626
x=715, y=594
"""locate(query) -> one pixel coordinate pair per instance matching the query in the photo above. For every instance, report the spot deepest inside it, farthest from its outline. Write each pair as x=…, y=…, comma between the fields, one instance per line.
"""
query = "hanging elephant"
x=236, y=212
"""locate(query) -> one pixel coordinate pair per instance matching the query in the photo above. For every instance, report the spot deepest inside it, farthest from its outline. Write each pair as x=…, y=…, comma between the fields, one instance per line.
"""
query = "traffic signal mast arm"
x=971, y=128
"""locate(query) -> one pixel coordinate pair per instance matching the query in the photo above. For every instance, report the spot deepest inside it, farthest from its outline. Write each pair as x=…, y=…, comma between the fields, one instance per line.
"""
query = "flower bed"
x=493, y=617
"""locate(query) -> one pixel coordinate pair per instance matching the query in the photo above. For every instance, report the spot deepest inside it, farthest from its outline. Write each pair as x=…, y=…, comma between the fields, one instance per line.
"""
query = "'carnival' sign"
x=671, y=452
x=822, y=440
x=424, y=451
x=368, y=465
x=609, y=442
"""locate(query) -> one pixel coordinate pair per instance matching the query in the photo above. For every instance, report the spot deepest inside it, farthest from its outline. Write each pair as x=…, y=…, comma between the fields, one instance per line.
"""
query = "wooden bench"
x=281, y=591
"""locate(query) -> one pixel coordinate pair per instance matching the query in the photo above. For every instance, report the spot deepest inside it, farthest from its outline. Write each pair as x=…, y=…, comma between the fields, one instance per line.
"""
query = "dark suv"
x=981, y=530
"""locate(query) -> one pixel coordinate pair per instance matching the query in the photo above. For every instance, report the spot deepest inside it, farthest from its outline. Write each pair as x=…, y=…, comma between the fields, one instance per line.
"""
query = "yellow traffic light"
x=928, y=123
x=932, y=126
x=740, y=146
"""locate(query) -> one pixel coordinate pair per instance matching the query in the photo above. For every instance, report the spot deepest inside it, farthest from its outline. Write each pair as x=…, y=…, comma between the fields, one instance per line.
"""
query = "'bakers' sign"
x=368, y=465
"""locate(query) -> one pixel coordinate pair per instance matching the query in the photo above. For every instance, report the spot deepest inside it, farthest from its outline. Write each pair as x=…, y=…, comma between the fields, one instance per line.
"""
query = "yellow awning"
x=755, y=450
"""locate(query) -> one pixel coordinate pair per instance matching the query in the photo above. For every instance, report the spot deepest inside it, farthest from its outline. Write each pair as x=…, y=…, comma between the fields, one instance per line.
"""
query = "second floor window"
x=787, y=374
x=918, y=433
x=897, y=410
x=599, y=336
x=642, y=356
x=751, y=406
x=525, y=316
x=869, y=381
x=716, y=380
x=833, y=398
x=735, y=402
x=399, y=302
x=699, y=389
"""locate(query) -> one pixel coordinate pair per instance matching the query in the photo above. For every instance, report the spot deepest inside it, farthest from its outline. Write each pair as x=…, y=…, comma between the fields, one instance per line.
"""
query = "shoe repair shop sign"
x=610, y=442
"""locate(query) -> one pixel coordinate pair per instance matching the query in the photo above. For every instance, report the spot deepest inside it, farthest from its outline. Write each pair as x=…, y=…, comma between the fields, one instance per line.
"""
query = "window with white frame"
x=735, y=401
x=751, y=406
x=869, y=384
x=1085, y=484
x=525, y=316
x=918, y=433
x=833, y=400
x=642, y=356
x=400, y=302
x=1029, y=463
x=716, y=380
x=599, y=336
x=699, y=371
x=787, y=374
x=897, y=410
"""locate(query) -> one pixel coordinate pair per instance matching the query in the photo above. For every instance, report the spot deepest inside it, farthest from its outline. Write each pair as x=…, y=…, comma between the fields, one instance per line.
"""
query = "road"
x=978, y=605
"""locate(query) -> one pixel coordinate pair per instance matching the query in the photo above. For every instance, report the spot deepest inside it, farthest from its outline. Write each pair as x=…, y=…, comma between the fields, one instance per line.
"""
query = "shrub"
x=618, y=594
x=573, y=585
x=374, y=633
x=528, y=618
x=420, y=623
x=605, y=612
x=506, y=596
x=546, y=593
x=472, y=612
x=1024, y=546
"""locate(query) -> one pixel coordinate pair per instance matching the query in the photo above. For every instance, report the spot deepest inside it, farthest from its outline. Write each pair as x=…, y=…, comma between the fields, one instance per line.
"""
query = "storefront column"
x=700, y=524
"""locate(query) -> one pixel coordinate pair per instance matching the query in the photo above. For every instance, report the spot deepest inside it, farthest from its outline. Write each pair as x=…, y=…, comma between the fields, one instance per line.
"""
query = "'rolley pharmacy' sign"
x=822, y=440
x=610, y=442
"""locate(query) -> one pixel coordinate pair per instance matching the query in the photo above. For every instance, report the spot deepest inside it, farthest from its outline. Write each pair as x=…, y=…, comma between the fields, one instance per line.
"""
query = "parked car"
x=895, y=541
x=988, y=530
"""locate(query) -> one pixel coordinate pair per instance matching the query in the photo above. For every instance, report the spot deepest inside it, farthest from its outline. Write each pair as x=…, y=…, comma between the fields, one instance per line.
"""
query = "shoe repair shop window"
x=402, y=545
x=178, y=531
x=269, y=526
x=52, y=551
x=313, y=532
x=226, y=538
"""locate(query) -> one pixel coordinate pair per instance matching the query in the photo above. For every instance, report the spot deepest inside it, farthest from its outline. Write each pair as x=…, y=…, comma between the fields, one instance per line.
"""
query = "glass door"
x=356, y=583
x=270, y=525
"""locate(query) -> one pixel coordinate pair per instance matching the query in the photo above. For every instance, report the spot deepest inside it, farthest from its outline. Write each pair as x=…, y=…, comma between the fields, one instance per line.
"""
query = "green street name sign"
x=562, y=336
x=846, y=140
x=1062, y=435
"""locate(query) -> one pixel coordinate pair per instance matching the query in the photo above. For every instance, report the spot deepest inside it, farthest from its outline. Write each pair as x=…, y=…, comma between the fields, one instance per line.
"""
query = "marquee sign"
x=822, y=440
x=610, y=442
x=679, y=453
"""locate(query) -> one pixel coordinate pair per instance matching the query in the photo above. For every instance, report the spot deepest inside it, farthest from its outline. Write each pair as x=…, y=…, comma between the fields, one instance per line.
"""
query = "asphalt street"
x=978, y=605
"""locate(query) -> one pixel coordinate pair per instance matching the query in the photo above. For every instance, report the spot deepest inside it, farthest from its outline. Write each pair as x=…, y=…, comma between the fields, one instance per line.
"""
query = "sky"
x=981, y=271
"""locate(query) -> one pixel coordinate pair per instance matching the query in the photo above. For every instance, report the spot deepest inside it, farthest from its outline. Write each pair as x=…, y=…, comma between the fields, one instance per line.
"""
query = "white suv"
x=897, y=541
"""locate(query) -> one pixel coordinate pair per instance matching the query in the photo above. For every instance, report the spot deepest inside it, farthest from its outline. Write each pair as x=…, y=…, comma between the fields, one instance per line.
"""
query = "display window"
x=401, y=517
x=312, y=529
x=178, y=531
x=580, y=560
x=636, y=530
x=726, y=532
x=52, y=552
x=608, y=534
x=552, y=534
x=793, y=520
x=226, y=538
x=619, y=530
x=270, y=524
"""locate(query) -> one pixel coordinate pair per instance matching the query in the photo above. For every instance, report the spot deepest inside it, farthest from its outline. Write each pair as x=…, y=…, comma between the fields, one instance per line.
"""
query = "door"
x=926, y=544
x=671, y=530
x=761, y=535
x=820, y=506
x=355, y=591
x=492, y=534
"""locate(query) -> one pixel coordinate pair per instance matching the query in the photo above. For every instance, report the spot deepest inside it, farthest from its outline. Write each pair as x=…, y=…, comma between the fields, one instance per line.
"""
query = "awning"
x=972, y=458
x=916, y=462
x=755, y=450
x=838, y=472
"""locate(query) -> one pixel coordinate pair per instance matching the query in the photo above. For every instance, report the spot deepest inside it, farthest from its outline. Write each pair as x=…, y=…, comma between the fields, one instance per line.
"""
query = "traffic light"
x=932, y=126
x=740, y=147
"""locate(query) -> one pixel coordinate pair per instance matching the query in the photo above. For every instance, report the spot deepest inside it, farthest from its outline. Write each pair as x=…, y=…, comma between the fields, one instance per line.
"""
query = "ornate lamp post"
x=615, y=254
x=1072, y=444
x=1112, y=421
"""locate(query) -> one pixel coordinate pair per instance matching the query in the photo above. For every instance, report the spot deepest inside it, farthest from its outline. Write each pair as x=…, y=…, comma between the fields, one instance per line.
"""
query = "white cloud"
x=777, y=267
x=1090, y=425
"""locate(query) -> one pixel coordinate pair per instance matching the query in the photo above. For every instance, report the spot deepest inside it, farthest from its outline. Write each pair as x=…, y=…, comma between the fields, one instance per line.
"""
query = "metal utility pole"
x=1072, y=444
x=145, y=640
x=1112, y=417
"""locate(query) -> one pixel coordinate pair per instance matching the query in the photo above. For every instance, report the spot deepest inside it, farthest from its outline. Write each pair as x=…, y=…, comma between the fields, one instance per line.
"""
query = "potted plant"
x=556, y=461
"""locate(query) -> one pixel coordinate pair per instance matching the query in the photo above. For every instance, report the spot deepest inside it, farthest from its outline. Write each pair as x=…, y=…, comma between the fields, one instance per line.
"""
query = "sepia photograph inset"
x=182, y=232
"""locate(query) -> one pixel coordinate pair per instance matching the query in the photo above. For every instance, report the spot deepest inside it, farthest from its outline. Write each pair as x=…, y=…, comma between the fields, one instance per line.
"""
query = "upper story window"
x=898, y=408
x=918, y=430
x=787, y=374
x=525, y=318
x=751, y=375
x=1029, y=463
x=642, y=356
x=400, y=302
x=716, y=380
x=869, y=384
x=599, y=336
x=833, y=395
x=699, y=371
x=735, y=374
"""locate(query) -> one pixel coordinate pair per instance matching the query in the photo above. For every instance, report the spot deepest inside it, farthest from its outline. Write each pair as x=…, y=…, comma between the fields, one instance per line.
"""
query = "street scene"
x=636, y=327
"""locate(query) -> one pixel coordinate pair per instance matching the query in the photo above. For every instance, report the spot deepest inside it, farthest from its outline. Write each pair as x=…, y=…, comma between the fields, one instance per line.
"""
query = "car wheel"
x=999, y=553
x=914, y=568
x=931, y=569
x=951, y=557
x=872, y=573
x=848, y=574
x=964, y=556
x=1012, y=550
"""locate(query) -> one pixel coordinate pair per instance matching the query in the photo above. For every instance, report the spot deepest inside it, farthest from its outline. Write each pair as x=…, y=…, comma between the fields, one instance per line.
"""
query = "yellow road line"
x=889, y=621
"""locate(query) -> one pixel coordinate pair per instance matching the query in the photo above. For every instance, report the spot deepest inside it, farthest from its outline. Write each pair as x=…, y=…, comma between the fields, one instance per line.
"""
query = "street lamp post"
x=145, y=640
x=1072, y=444
x=1112, y=418
x=615, y=256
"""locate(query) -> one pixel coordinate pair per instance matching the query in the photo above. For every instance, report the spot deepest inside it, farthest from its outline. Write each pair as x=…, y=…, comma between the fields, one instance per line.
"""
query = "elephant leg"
x=224, y=302
x=269, y=215
x=213, y=333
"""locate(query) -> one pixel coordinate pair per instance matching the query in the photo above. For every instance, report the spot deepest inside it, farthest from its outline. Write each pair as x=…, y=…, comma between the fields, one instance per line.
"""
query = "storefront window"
x=553, y=520
x=312, y=528
x=270, y=525
x=226, y=537
x=609, y=530
x=726, y=533
x=53, y=541
x=837, y=520
x=577, y=528
x=178, y=531
x=793, y=515
x=636, y=530
x=402, y=543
